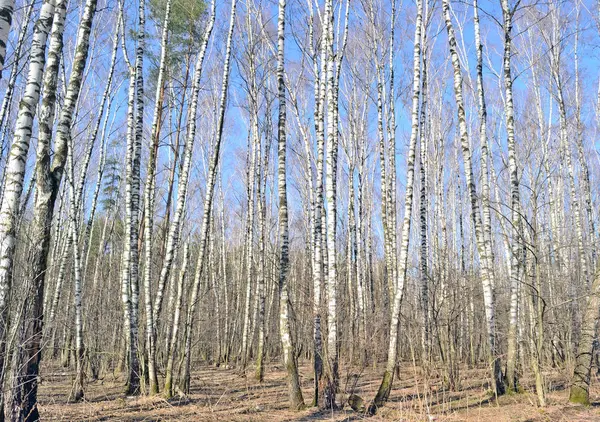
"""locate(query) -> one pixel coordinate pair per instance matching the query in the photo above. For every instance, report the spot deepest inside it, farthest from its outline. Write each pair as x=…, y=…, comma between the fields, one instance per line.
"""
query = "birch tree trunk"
x=182, y=186
x=208, y=199
x=566, y=150
x=105, y=104
x=253, y=147
x=14, y=72
x=318, y=239
x=77, y=393
x=486, y=272
x=15, y=171
x=511, y=377
x=149, y=197
x=385, y=213
x=6, y=15
x=388, y=377
x=262, y=232
x=485, y=153
x=424, y=294
x=49, y=176
x=585, y=170
x=130, y=264
x=536, y=310
x=391, y=190
x=172, y=340
x=31, y=321
x=333, y=63
x=296, y=401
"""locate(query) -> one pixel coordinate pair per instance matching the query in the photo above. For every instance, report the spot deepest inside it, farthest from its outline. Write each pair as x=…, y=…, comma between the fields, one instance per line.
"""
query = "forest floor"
x=220, y=394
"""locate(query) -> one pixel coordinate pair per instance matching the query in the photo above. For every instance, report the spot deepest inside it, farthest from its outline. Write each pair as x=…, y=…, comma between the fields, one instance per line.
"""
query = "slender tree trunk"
x=130, y=261
x=486, y=272
x=424, y=277
x=172, y=340
x=182, y=187
x=77, y=393
x=15, y=170
x=262, y=217
x=10, y=87
x=208, y=199
x=253, y=147
x=511, y=376
x=536, y=309
x=388, y=377
x=318, y=226
x=585, y=171
x=391, y=190
x=6, y=15
x=296, y=401
x=333, y=63
x=149, y=197
x=49, y=176
x=485, y=153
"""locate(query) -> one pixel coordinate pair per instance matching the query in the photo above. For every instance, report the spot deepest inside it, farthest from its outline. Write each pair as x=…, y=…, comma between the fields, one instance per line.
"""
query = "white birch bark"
x=173, y=236
x=15, y=168
x=208, y=199
x=424, y=293
x=130, y=261
x=77, y=392
x=49, y=175
x=253, y=152
x=486, y=273
x=386, y=384
x=6, y=15
x=507, y=14
x=10, y=87
x=566, y=149
x=333, y=63
x=149, y=196
x=318, y=239
x=485, y=154
x=260, y=279
x=87, y=235
x=391, y=190
x=585, y=170
x=172, y=339
x=296, y=401
x=41, y=225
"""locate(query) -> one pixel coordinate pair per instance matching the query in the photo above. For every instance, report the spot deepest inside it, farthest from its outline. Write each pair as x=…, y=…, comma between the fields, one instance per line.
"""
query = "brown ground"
x=220, y=394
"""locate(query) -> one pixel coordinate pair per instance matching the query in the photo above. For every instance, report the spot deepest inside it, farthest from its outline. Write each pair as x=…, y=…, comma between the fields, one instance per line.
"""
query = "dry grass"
x=220, y=394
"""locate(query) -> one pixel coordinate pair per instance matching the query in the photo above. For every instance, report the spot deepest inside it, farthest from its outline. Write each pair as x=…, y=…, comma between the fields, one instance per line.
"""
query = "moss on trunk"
x=579, y=395
x=383, y=393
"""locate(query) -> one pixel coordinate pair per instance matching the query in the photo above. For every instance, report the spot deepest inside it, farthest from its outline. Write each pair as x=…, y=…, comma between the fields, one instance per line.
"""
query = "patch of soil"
x=220, y=394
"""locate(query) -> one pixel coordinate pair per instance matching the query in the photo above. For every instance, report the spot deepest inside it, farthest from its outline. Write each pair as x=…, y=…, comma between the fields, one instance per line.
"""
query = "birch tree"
x=14, y=72
x=486, y=263
x=6, y=15
x=296, y=401
x=149, y=198
x=174, y=227
x=15, y=170
x=130, y=276
x=183, y=180
x=385, y=387
x=331, y=372
x=515, y=204
x=208, y=200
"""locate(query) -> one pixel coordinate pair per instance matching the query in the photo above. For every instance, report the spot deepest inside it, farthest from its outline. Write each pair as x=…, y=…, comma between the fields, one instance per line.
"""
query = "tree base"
x=579, y=395
x=76, y=396
x=383, y=393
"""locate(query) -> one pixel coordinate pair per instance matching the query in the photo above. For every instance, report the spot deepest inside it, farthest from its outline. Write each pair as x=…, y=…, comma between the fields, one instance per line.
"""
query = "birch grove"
x=391, y=208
